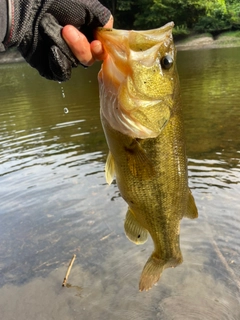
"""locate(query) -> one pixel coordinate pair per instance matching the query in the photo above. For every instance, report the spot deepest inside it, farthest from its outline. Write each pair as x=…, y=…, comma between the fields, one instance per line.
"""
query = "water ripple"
x=195, y=308
x=207, y=173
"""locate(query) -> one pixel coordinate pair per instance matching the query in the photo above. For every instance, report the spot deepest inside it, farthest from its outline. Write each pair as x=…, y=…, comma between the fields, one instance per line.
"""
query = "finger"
x=109, y=24
x=97, y=50
x=96, y=46
x=78, y=44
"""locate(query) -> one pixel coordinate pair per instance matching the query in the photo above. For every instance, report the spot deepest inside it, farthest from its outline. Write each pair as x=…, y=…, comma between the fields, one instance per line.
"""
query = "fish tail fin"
x=153, y=269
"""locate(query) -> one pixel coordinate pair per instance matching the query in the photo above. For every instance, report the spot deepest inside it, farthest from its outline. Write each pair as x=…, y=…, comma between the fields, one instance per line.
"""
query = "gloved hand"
x=36, y=31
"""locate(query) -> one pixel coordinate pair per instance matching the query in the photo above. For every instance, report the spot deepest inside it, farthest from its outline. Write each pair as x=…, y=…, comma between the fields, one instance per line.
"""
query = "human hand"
x=84, y=51
x=37, y=29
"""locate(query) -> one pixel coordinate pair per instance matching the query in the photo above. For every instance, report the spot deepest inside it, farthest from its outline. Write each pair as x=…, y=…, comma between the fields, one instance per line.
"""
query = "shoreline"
x=197, y=42
x=207, y=41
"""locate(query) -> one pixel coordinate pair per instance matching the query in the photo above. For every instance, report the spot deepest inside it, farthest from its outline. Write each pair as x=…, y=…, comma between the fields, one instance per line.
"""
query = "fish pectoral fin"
x=109, y=168
x=139, y=164
x=134, y=231
x=192, y=212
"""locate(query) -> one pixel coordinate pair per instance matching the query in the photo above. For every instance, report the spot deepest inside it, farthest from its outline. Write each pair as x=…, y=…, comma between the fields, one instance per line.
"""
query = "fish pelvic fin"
x=192, y=212
x=109, y=168
x=133, y=230
x=153, y=269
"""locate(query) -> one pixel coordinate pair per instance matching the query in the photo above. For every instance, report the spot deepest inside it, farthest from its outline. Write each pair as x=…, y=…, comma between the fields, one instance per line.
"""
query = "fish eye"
x=167, y=62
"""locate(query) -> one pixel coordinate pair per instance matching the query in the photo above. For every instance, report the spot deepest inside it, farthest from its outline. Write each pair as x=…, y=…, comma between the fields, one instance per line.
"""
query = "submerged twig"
x=225, y=263
x=68, y=271
x=105, y=237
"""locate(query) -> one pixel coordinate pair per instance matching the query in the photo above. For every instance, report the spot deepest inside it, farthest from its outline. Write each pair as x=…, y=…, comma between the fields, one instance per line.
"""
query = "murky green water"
x=55, y=201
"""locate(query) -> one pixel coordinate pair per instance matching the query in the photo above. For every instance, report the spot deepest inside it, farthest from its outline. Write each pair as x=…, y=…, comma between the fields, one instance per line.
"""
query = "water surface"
x=55, y=201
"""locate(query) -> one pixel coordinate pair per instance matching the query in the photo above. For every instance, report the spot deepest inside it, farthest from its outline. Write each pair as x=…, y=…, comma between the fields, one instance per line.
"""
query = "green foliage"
x=157, y=12
x=232, y=34
x=233, y=8
x=181, y=31
x=216, y=19
x=199, y=15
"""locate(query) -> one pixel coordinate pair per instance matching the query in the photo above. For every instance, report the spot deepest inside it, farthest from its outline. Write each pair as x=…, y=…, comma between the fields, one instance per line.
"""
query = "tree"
x=200, y=15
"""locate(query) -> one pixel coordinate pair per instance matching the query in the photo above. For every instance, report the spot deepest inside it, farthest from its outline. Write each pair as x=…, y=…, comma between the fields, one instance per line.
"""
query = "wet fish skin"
x=141, y=115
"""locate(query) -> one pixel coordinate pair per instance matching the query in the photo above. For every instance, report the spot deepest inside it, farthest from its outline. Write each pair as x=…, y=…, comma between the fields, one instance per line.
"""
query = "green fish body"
x=141, y=115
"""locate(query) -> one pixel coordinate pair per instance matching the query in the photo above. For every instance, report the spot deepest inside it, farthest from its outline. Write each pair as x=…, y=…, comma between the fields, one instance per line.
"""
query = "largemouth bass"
x=141, y=115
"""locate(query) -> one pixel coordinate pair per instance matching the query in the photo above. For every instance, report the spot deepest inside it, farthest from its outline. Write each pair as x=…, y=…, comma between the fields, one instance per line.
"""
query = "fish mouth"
x=119, y=43
x=138, y=39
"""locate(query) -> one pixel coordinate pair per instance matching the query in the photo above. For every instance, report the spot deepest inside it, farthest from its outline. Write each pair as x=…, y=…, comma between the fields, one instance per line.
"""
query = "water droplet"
x=66, y=110
x=63, y=93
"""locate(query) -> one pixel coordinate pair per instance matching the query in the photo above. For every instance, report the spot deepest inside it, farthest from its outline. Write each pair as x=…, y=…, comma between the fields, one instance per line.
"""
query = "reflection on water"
x=55, y=201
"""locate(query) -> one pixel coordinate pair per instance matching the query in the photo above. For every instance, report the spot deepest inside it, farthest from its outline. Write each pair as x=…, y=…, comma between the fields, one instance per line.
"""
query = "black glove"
x=36, y=31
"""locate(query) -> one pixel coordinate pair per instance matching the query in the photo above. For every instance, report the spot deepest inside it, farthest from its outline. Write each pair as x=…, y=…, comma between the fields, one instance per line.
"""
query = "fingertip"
x=98, y=51
x=96, y=47
x=66, y=29
x=109, y=24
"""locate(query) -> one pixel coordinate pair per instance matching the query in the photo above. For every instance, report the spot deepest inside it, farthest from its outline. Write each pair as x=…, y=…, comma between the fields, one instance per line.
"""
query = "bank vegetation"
x=190, y=16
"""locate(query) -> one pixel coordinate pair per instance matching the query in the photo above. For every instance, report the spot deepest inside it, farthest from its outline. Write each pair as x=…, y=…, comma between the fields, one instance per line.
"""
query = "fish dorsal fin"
x=109, y=168
x=192, y=212
x=134, y=231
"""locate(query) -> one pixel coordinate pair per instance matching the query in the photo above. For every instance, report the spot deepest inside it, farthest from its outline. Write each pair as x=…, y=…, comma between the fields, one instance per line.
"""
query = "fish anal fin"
x=109, y=168
x=153, y=269
x=138, y=161
x=134, y=231
x=192, y=212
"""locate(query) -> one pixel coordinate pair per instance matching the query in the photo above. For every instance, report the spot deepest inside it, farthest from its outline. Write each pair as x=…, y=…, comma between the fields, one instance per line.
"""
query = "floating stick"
x=68, y=271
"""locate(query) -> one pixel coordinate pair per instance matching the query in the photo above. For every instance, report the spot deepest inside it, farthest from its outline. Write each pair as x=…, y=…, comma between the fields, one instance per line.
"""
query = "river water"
x=55, y=201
